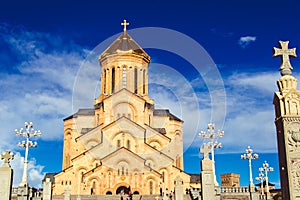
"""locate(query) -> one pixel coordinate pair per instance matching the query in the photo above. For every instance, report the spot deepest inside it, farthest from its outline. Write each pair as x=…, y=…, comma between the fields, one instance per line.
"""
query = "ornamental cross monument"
x=287, y=121
x=285, y=53
x=6, y=157
x=6, y=176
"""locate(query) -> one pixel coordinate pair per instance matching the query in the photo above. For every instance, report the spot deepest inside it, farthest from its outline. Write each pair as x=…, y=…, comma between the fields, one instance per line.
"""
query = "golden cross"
x=125, y=23
x=285, y=54
x=6, y=156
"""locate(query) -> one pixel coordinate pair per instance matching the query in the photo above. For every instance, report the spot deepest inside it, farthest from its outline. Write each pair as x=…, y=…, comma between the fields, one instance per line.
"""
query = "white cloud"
x=39, y=86
x=246, y=40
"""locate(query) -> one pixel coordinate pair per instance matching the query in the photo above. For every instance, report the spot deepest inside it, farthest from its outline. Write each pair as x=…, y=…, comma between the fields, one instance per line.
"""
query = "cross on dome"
x=125, y=23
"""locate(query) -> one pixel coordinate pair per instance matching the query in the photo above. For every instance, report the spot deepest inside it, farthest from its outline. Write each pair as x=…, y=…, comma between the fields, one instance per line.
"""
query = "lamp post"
x=248, y=155
x=266, y=169
x=261, y=178
x=27, y=133
x=212, y=136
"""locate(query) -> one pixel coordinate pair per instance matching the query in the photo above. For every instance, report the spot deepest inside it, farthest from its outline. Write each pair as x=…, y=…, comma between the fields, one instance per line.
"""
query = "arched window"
x=113, y=80
x=81, y=176
x=135, y=80
x=124, y=77
x=151, y=187
x=104, y=82
x=163, y=177
x=93, y=189
x=119, y=143
x=122, y=170
x=128, y=144
x=144, y=81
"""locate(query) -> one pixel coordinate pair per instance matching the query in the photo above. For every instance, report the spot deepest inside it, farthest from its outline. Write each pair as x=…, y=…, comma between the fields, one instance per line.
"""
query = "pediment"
x=90, y=138
x=123, y=124
x=292, y=95
x=125, y=157
x=124, y=95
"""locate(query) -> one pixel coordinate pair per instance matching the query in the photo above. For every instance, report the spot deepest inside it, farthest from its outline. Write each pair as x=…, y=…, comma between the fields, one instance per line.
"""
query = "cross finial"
x=7, y=156
x=205, y=150
x=285, y=53
x=125, y=23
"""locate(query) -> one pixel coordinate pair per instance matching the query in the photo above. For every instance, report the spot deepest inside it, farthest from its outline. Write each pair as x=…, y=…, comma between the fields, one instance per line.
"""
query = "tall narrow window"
x=135, y=80
x=104, y=82
x=128, y=144
x=113, y=80
x=163, y=176
x=144, y=81
x=122, y=170
x=151, y=187
x=119, y=144
x=124, y=77
x=81, y=176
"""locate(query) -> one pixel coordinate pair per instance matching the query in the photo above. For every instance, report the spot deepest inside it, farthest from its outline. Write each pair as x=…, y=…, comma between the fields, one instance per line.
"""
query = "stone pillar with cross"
x=6, y=176
x=285, y=53
x=207, y=175
x=287, y=121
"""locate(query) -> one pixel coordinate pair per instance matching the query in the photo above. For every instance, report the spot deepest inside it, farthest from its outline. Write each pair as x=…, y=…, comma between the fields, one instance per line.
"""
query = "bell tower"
x=124, y=66
x=287, y=121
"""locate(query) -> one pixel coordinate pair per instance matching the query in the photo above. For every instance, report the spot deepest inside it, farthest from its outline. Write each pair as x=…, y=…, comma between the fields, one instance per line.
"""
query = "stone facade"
x=123, y=143
x=287, y=120
x=230, y=179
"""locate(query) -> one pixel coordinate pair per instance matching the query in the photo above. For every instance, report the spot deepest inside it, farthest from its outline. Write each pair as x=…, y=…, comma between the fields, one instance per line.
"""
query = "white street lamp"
x=266, y=169
x=212, y=136
x=261, y=178
x=29, y=132
x=250, y=157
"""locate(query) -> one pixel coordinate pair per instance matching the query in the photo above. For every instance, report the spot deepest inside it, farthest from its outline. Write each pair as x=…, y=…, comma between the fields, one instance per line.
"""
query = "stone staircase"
x=112, y=197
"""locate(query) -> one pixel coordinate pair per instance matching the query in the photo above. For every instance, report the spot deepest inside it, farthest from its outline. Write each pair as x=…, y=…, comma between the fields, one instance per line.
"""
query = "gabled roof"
x=166, y=113
x=124, y=44
x=82, y=111
x=264, y=184
x=123, y=90
x=123, y=118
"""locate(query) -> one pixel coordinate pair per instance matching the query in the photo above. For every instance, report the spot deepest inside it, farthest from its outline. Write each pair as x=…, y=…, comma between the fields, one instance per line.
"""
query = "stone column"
x=178, y=188
x=47, y=190
x=207, y=175
x=67, y=195
x=6, y=176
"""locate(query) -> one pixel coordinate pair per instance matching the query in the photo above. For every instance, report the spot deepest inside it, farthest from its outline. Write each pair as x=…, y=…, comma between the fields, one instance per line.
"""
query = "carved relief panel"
x=292, y=104
x=295, y=173
x=293, y=136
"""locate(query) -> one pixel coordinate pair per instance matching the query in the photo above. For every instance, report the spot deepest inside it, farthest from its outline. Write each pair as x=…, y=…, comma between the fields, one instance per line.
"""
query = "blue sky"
x=48, y=47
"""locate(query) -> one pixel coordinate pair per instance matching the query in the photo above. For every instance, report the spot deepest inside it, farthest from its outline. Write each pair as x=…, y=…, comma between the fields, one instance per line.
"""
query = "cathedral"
x=122, y=144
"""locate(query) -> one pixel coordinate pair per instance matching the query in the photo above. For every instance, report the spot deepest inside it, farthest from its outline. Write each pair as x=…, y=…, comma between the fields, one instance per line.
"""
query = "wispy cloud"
x=246, y=40
x=37, y=87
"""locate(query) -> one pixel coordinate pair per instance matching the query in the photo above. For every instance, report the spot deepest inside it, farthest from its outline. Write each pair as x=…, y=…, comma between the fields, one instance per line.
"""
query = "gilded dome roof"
x=124, y=44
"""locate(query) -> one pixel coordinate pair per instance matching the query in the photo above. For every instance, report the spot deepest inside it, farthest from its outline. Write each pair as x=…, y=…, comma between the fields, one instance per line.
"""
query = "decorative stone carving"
x=294, y=137
x=295, y=172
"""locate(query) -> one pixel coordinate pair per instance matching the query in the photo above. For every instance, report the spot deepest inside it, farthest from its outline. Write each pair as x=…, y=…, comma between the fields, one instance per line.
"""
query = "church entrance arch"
x=123, y=189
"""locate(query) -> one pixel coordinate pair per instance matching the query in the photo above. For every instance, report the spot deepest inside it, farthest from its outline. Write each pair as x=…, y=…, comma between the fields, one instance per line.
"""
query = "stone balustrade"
x=234, y=189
